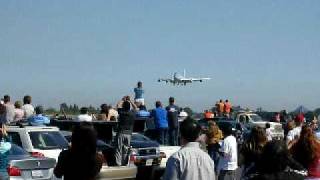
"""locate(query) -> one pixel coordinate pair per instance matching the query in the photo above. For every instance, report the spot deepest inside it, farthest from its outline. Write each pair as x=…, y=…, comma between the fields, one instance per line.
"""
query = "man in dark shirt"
x=173, y=112
x=123, y=138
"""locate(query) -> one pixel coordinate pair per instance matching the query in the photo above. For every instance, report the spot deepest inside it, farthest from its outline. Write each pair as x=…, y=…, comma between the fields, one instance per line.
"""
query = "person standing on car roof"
x=39, y=119
x=8, y=115
x=81, y=161
x=4, y=152
x=18, y=112
x=190, y=162
x=221, y=108
x=161, y=122
x=124, y=133
x=173, y=112
x=27, y=106
x=138, y=92
x=227, y=108
x=84, y=116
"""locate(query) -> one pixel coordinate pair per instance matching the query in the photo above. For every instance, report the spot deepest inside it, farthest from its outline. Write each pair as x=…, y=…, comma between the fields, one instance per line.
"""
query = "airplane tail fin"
x=184, y=73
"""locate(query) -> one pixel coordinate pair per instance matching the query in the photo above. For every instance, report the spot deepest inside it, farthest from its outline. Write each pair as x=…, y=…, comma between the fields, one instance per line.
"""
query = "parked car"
x=110, y=170
x=39, y=141
x=166, y=152
x=145, y=151
x=145, y=154
x=23, y=166
x=49, y=142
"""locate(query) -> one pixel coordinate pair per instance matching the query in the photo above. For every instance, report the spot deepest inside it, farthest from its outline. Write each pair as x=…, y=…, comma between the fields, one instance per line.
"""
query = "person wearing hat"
x=38, y=119
x=18, y=112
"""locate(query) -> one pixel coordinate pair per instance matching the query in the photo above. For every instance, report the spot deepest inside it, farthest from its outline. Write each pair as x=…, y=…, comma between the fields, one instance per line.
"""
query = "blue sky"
x=259, y=53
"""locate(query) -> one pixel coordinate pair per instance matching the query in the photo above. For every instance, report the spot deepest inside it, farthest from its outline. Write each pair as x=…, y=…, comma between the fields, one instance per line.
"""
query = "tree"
x=51, y=111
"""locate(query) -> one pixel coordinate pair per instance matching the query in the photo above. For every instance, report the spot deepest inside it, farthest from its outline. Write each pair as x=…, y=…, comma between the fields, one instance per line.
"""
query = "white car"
x=45, y=141
x=166, y=152
x=252, y=119
x=39, y=141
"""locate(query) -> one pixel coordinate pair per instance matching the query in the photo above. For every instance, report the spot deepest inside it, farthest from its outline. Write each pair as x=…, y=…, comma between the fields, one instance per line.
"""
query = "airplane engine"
x=200, y=80
x=159, y=80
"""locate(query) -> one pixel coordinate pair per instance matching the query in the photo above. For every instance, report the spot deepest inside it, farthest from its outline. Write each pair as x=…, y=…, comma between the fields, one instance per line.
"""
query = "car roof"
x=33, y=128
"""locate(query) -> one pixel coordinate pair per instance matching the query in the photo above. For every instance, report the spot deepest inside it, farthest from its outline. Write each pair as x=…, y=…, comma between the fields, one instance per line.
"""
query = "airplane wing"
x=189, y=80
x=165, y=80
x=200, y=79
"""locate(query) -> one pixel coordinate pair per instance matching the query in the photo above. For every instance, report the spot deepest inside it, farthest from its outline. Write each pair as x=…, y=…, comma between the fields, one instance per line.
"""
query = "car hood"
x=143, y=144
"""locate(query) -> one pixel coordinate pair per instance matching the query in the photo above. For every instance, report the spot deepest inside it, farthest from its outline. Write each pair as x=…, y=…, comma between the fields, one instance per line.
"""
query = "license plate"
x=37, y=173
x=149, y=162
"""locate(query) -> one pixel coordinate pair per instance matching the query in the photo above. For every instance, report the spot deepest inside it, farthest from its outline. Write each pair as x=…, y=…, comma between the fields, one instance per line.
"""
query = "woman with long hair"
x=251, y=150
x=214, y=135
x=306, y=151
x=276, y=163
x=81, y=161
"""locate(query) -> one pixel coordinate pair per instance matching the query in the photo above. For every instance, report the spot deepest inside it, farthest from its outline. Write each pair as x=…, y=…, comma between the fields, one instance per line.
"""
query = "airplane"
x=178, y=79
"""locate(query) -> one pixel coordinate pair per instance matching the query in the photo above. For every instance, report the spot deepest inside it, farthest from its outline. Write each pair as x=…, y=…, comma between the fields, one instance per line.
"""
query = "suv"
x=41, y=141
x=251, y=119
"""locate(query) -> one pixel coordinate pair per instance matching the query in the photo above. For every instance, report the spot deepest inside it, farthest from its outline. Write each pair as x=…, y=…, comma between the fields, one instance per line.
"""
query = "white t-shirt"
x=28, y=110
x=84, y=117
x=230, y=159
x=293, y=133
x=268, y=133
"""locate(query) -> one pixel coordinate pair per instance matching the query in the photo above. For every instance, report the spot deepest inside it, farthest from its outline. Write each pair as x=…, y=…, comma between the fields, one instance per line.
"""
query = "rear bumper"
x=118, y=172
x=141, y=160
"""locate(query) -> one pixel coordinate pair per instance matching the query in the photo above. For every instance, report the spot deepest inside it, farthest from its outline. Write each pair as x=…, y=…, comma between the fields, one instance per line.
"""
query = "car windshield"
x=256, y=118
x=48, y=140
x=223, y=124
x=17, y=151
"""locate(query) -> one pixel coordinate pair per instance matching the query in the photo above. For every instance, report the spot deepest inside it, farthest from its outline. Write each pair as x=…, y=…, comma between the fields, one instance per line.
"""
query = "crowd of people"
x=221, y=109
x=259, y=157
x=295, y=157
x=13, y=113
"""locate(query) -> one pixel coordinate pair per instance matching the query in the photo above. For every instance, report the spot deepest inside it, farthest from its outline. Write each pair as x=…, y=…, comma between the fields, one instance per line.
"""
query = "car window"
x=16, y=151
x=15, y=138
x=256, y=118
x=48, y=140
x=139, y=137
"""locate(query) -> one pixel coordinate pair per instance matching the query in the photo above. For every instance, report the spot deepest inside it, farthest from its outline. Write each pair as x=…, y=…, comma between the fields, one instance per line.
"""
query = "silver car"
x=23, y=166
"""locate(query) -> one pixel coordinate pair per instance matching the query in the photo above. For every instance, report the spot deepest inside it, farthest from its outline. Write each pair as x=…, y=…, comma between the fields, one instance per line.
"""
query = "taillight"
x=37, y=154
x=133, y=158
x=14, y=171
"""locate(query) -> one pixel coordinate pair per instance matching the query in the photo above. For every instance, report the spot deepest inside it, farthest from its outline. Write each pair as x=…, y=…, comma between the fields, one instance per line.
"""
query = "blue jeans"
x=163, y=136
x=214, y=154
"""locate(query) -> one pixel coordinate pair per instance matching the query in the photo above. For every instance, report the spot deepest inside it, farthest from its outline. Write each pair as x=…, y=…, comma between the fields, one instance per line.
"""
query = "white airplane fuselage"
x=178, y=79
